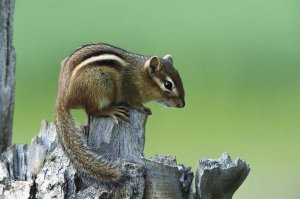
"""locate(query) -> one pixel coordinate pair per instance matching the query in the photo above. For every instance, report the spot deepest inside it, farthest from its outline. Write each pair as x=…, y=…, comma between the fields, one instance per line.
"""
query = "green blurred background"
x=239, y=61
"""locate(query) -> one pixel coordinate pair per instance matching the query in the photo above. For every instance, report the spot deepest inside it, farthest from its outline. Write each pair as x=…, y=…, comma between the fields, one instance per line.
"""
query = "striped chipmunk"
x=100, y=79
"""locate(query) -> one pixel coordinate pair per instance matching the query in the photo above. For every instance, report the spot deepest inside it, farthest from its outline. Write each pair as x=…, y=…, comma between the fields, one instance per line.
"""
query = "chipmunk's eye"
x=168, y=85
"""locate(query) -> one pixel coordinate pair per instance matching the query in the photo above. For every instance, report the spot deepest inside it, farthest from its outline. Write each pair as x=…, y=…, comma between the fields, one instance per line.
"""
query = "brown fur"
x=97, y=89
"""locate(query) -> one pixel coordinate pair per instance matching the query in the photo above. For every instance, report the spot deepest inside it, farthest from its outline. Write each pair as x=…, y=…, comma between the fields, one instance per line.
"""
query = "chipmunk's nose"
x=181, y=104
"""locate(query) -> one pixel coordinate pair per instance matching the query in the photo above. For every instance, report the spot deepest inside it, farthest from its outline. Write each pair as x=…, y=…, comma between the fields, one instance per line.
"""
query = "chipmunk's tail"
x=81, y=155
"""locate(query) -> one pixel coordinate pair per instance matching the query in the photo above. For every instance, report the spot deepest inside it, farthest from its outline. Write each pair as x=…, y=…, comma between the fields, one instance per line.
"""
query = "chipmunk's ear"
x=168, y=58
x=153, y=65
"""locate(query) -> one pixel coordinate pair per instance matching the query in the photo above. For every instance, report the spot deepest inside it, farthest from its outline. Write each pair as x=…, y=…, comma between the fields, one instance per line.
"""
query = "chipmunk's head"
x=167, y=80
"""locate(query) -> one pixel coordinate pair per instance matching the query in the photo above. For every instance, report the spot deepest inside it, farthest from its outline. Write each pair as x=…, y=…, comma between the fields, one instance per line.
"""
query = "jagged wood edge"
x=43, y=169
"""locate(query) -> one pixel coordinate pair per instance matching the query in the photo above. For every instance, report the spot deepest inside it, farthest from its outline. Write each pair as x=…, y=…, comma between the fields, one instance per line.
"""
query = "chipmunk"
x=100, y=77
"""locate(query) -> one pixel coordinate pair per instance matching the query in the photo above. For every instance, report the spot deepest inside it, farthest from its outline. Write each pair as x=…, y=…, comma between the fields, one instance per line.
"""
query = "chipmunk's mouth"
x=175, y=104
x=166, y=103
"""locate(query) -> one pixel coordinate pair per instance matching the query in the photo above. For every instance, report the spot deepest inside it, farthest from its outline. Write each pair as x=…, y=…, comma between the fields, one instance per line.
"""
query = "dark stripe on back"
x=108, y=62
x=96, y=50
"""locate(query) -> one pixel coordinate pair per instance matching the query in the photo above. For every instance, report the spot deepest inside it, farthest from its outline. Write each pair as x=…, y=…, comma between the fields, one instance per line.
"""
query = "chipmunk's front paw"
x=146, y=110
x=114, y=112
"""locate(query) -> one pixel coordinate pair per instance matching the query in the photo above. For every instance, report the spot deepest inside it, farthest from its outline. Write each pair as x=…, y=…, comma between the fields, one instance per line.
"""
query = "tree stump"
x=43, y=170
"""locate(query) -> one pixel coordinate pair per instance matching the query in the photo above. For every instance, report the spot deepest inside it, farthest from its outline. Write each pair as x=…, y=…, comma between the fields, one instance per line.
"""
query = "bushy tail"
x=84, y=158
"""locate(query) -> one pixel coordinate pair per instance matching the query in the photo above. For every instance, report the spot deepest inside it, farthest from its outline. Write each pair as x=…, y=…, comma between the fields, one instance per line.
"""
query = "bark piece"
x=220, y=178
x=162, y=178
x=15, y=189
x=186, y=179
x=23, y=161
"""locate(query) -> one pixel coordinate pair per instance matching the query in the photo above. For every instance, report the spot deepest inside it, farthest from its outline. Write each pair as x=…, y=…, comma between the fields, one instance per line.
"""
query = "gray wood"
x=186, y=179
x=162, y=178
x=219, y=179
x=7, y=72
x=124, y=140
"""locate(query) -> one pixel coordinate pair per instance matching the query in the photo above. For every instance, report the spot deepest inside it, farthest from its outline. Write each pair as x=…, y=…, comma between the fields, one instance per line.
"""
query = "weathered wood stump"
x=7, y=72
x=42, y=169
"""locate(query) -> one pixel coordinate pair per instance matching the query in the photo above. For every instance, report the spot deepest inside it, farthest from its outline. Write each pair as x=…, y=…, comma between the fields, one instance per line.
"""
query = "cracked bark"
x=7, y=72
x=42, y=169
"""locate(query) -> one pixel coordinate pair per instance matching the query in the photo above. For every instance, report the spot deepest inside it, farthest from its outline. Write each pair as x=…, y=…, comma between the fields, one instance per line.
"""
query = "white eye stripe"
x=175, y=92
x=170, y=80
x=174, y=89
x=162, y=85
x=159, y=83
